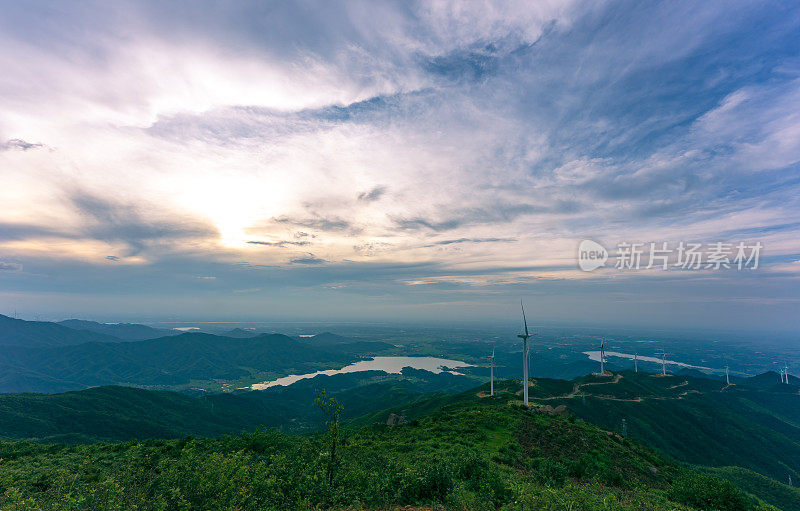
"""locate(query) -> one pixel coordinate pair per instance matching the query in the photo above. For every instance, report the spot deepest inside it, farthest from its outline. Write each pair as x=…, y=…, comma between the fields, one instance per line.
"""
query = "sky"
x=394, y=160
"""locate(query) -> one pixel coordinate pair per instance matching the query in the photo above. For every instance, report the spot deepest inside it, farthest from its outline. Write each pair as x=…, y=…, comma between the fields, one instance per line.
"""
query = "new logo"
x=591, y=255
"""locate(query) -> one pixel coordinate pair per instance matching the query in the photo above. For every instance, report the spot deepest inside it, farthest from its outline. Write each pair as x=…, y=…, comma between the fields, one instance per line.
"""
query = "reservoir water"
x=595, y=355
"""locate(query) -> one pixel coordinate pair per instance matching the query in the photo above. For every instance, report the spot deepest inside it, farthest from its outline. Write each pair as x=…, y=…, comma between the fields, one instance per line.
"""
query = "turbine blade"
x=524, y=320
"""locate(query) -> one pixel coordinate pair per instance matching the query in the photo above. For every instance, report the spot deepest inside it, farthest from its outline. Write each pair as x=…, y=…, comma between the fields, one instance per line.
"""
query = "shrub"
x=710, y=493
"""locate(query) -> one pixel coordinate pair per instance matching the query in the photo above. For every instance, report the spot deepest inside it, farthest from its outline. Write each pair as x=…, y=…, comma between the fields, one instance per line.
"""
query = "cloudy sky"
x=397, y=160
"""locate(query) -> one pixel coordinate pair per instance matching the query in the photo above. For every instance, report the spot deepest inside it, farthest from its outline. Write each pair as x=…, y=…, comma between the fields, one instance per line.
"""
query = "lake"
x=385, y=364
x=595, y=355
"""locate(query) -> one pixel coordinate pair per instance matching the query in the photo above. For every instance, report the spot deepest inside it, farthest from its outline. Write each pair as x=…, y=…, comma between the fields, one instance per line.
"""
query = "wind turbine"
x=636, y=362
x=663, y=356
x=727, y=375
x=781, y=371
x=786, y=372
x=524, y=338
x=491, y=373
x=603, y=356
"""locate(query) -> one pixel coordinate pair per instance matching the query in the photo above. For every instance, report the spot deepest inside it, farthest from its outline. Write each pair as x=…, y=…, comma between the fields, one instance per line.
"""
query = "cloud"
x=318, y=223
x=17, y=143
x=372, y=195
x=497, y=214
x=475, y=240
x=280, y=243
x=111, y=220
x=310, y=259
x=409, y=142
x=10, y=266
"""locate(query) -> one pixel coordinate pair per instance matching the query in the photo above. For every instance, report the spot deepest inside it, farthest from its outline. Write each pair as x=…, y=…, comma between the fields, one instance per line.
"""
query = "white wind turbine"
x=636, y=361
x=786, y=372
x=663, y=356
x=727, y=375
x=524, y=338
x=603, y=356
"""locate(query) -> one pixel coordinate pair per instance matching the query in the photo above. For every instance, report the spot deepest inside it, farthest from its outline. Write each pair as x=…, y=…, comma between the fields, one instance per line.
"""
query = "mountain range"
x=461, y=451
x=122, y=331
x=168, y=361
x=75, y=354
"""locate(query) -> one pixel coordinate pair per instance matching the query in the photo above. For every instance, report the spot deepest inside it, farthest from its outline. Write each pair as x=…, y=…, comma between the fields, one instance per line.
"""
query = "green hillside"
x=692, y=419
x=476, y=454
x=116, y=413
x=31, y=334
x=699, y=421
x=778, y=494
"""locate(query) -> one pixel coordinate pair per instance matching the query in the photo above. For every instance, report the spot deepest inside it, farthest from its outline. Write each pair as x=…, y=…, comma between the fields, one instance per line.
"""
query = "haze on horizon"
x=397, y=160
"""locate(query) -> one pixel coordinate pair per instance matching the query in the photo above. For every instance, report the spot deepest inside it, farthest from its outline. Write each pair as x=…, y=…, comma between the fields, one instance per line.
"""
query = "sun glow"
x=234, y=204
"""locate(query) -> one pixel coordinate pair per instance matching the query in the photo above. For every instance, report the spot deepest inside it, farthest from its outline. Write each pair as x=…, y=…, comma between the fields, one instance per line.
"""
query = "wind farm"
x=272, y=256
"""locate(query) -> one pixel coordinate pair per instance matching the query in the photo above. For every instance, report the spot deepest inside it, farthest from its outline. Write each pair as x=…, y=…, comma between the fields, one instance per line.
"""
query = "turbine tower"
x=603, y=356
x=524, y=338
x=491, y=373
x=781, y=371
x=663, y=356
x=636, y=362
x=727, y=375
x=786, y=372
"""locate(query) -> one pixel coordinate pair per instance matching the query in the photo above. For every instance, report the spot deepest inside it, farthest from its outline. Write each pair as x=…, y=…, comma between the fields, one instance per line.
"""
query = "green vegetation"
x=695, y=420
x=778, y=494
x=125, y=413
x=533, y=459
x=477, y=453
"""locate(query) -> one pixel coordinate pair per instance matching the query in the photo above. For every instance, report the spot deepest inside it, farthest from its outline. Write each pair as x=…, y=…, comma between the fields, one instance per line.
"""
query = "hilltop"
x=32, y=334
x=476, y=453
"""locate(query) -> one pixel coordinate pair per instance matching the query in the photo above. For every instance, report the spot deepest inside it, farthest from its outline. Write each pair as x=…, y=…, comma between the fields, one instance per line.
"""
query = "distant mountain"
x=31, y=334
x=768, y=380
x=171, y=360
x=326, y=339
x=124, y=331
x=240, y=333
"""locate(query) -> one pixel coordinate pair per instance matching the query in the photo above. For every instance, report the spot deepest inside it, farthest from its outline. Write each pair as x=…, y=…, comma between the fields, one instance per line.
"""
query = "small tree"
x=331, y=409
